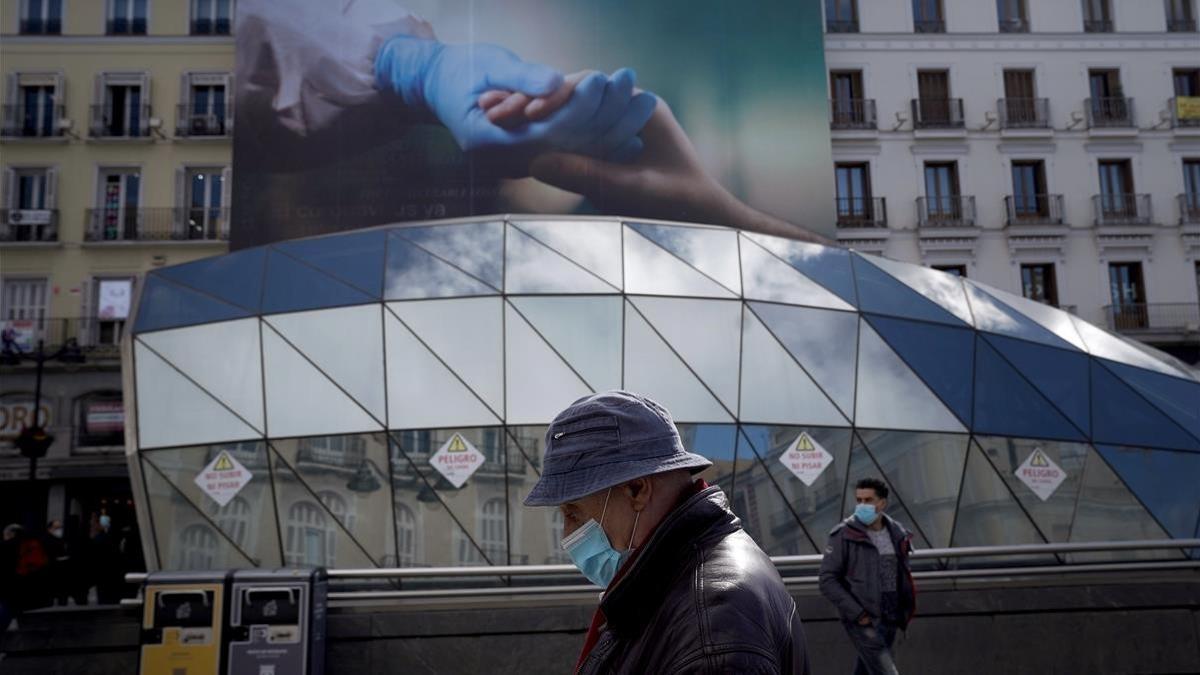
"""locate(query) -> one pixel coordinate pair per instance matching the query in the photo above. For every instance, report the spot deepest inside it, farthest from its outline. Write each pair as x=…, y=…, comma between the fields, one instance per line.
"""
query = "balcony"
x=1122, y=209
x=853, y=114
x=162, y=224
x=192, y=124
x=1186, y=116
x=52, y=26
x=958, y=211
x=1097, y=25
x=841, y=26
x=117, y=123
x=28, y=225
x=20, y=121
x=1014, y=25
x=938, y=113
x=1189, y=209
x=205, y=26
x=861, y=212
x=1034, y=210
x=1110, y=112
x=98, y=338
x=126, y=26
x=1024, y=113
x=929, y=26
x=1162, y=318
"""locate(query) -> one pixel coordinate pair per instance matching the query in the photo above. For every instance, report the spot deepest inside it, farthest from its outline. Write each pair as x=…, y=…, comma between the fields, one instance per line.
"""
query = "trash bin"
x=277, y=622
x=182, y=617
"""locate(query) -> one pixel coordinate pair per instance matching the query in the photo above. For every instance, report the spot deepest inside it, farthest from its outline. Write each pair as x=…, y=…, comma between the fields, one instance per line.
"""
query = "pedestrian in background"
x=866, y=574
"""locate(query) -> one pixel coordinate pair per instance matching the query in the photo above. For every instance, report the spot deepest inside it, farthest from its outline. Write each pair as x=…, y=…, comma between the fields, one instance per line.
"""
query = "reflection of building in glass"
x=335, y=369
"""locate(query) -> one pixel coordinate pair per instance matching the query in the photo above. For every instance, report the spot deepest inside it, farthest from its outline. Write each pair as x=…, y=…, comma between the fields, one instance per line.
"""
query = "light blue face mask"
x=591, y=551
x=865, y=513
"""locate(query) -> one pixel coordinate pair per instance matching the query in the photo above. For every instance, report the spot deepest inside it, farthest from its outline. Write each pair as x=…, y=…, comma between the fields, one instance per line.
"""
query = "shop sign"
x=16, y=415
x=105, y=417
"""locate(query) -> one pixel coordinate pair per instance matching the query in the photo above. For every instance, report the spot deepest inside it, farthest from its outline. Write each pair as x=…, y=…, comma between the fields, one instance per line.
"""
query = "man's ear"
x=639, y=490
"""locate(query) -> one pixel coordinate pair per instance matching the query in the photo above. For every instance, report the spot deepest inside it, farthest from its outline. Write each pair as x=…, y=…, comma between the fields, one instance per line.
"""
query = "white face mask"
x=57, y=533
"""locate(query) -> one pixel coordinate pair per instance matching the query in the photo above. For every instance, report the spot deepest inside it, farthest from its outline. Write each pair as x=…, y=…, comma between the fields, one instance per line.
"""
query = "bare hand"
x=864, y=620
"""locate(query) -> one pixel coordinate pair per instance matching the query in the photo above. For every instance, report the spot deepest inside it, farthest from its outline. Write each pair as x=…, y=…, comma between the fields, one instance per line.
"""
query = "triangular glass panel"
x=353, y=257
x=248, y=518
x=1012, y=456
x=222, y=358
x=186, y=540
x=764, y=506
x=944, y=289
x=1178, y=367
x=926, y=469
x=466, y=334
x=422, y=391
x=1165, y=481
x=1052, y=319
x=1006, y=403
x=1178, y=398
x=348, y=475
x=1060, y=375
x=312, y=537
x=940, y=355
x=540, y=384
x=879, y=292
x=1121, y=416
x=172, y=410
x=890, y=396
x=651, y=270
x=414, y=273
x=292, y=285
x=993, y=316
x=346, y=343
x=988, y=515
x=653, y=370
x=1102, y=344
x=475, y=248
x=235, y=277
x=863, y=466
x=711, y=250
x=533, y=267
x=826, y=265
x=766, y=277
x=584, y=330
x=1107, y=511
x=775, y=390
x=711, y=352
x=595, y=245
x=167, y=305
x=825, y=344
x=717, y=443
x=303, y=401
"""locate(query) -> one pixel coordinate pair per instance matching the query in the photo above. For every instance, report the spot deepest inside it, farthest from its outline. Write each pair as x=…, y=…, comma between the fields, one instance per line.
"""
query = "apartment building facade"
x=115, y=148
x=1050, y=149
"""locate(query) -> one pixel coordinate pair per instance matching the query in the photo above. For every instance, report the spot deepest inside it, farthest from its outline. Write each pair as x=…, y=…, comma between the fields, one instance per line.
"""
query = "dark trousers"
x=874, y=646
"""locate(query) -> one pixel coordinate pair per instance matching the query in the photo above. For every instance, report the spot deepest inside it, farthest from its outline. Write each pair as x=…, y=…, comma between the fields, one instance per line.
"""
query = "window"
x=1012, y=16
x=100, y=420
x=1116, y=189
x=211, y=17
x=122, y=107
x=41, y=17
x=934, y=107
x=1128, y=295
x=1097, y=16
x=941, y=191
x=24, y=300
x=205, y=109
x=30, y=214
x=850, y=109
x=127, y=17
x=1108, y=106
x=406, y=536
x=492, y=537
x=33, y=109
x=928, y=16
x=956, y=270
x=204, y=194
x=1029, y=190
x=557, y=555
x=1191, y=191
x=234, y=520
x=1039, y=283
x=197, y=548
x=116, y=214
x=841, y=16
x=1021, y=108
x=111, y=299
x=1181, y=16
x=854, y=207
x=1186, y=81
x=308, y=538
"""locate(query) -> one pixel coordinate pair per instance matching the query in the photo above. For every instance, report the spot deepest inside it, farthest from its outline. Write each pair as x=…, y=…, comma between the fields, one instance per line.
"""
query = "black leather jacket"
x=700, y=597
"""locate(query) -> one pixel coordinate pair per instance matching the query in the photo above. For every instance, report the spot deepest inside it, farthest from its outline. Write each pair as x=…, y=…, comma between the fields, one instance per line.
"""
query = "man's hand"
x=864, y=620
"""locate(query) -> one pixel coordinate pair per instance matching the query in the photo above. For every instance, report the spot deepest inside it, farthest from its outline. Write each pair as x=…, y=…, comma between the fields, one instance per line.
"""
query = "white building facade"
x=1050, y=148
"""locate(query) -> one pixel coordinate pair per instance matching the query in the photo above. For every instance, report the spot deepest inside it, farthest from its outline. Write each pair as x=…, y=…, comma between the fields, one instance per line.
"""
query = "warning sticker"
x=457, y=459
x=806, y=459
x=223, y=478
x=1040, y=474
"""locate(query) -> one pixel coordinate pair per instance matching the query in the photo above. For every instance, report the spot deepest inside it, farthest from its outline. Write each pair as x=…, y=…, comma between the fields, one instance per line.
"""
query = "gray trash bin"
x=182, y=622
x=277, y=622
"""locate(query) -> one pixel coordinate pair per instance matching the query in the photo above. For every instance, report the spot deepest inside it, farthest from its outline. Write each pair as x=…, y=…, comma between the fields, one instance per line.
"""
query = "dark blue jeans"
x=874, y=646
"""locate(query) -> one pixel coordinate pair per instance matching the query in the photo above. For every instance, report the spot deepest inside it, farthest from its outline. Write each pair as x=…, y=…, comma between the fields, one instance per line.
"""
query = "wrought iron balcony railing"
x=1024, y=113
x=852, y=113
x=191, y=123
x=956, y=211
x=204, y=26
x=1112, y=111
x=161, y=224
x=41, y=26
x=1014, y=25
x=1122, y=209
x=1133, y=317
x=125, y=26
x=1097, y=25
x=21, y=121
x=841, y=26
x=938, y=113
x=1179, y=121
x=120, y=122
x=1034, y=209
x=1189, y=208
x=855, y=212
x=28, y=225
x=929, y=26
x=96, y=337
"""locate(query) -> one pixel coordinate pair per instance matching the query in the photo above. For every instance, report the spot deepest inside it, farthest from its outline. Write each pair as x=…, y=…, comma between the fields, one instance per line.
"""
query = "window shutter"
x=87, y=289
x=9, y=198
x=95, y=122
x=184, y=119
x=51, y=188
x=227, y=80
x=146, y=99
x=226, y=201
x=180, y=217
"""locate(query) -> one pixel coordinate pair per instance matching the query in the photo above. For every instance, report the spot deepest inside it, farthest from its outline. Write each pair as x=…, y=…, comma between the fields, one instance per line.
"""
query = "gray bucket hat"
x=606, y=439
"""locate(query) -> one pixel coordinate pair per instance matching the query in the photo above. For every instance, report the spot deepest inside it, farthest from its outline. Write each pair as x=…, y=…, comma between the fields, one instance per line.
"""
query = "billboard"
x=353, y=113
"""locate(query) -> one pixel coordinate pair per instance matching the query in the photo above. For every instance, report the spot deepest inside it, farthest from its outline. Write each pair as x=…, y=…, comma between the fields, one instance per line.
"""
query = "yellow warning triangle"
x=804, y=443
x=1038, y=459
x=224, y=463
x=457, y=444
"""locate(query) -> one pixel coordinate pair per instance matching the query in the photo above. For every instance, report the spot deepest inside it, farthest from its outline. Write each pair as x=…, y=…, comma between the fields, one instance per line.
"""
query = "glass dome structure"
x=332, y=369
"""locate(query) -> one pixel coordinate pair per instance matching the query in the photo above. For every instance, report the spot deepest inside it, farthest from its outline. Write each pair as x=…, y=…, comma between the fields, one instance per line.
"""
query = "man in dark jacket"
x=686, y=589
x=865, y=573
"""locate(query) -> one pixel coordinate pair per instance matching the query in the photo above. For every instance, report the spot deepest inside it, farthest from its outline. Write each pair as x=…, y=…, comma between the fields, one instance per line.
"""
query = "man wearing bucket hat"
x=686, y=589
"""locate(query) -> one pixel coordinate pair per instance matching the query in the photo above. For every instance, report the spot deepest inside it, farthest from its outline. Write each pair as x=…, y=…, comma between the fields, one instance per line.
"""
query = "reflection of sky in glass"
x=650, y=269
x=826, y=265
x=414, y=273
x=766, y=277
x=712, y=352
x=890, y=396
x=475, y=248
x=594, y=245
x=712, y=251
x=1152, y=474
x=823, y=342
x=995, y=317
x=532, y=267
x=1054, y=320
x=944, y=289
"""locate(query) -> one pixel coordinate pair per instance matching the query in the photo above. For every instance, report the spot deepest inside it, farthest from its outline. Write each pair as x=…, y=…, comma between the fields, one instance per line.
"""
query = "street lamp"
x=34, y=440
